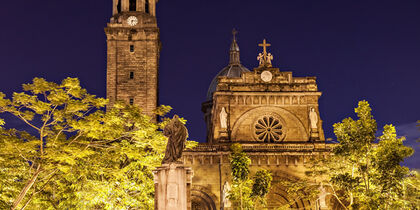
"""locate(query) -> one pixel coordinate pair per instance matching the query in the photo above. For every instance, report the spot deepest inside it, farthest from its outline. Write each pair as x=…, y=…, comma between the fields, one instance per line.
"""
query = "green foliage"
x=362, y=174
x=239, y=163
x=241, y=194
x=261, y=187
x=241, y=191
x=247, y=193
x=77, y=156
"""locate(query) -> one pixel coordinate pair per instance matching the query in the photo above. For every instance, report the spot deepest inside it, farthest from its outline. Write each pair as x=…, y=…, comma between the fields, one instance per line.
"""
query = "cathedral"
x=271, y=113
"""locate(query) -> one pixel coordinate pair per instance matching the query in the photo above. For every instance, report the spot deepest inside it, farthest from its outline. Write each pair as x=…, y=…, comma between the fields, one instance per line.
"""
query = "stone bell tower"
x=133, y=47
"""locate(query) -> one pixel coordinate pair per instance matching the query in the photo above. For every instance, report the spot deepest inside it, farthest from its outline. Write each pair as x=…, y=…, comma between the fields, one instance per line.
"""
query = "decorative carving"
x=223, y=118
x=177, y=135
x=269, y=129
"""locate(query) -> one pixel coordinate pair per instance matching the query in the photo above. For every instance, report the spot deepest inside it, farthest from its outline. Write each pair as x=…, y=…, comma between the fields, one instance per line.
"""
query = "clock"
x=266, y=76
x=132, y=20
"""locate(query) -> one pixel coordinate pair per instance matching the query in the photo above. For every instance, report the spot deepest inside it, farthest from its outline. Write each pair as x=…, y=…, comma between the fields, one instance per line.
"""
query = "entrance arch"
x=202, y=200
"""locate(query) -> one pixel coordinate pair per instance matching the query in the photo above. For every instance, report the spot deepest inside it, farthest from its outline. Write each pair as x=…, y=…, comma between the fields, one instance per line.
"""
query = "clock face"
x=266, y=76
x=132, y=20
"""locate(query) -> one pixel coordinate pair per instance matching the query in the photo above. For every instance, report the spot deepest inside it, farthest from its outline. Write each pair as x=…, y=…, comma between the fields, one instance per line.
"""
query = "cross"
x=264, y=45
x=234, y=32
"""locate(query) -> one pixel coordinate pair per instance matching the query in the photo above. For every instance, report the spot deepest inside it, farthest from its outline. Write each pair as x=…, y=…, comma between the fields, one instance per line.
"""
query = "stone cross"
x=265, y=59
x=264, y=45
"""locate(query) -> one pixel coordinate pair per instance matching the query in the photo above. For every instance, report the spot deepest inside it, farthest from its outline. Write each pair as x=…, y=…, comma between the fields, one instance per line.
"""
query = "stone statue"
x=270, y=57
x=260, y=58
x=226, y=190
x=223, y=118
x=322, y=195
x=177, y=135
x=313, y=117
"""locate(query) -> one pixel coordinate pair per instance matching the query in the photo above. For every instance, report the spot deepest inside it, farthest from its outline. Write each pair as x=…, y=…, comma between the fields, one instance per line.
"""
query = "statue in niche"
x=223, y=118
x=313, y=117
x=226, y=190
x=177, y=135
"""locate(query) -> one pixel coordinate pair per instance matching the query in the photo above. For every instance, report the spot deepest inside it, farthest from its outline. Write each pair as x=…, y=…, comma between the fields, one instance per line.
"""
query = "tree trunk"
x=26, y=188
x=240, y=192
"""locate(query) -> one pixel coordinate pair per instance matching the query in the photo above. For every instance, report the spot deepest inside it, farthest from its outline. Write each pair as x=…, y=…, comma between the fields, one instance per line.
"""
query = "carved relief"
x=244, y=126
x=271, y=100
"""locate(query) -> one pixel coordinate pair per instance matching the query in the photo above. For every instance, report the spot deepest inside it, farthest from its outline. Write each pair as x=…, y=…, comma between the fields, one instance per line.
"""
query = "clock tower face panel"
x=133, y=48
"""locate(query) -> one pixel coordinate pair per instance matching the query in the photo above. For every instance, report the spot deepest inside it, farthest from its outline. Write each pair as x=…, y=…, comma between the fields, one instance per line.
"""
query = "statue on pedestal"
x=313, y=117
x=177, y=135
x=173, y=179
x=223, y=118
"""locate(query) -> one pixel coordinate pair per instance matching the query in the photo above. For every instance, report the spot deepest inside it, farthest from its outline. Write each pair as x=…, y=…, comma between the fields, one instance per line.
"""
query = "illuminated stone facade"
x=274, y=115
x=133, y=47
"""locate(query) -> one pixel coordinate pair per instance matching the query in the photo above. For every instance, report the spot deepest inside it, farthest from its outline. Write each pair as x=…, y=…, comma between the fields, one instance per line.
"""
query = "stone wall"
x=211, y=167
x=133, y=50
x=285, y=99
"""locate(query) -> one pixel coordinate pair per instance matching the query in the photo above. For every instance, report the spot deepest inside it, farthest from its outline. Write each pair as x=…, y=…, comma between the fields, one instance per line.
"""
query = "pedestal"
x=314, y=134
x=173, y=187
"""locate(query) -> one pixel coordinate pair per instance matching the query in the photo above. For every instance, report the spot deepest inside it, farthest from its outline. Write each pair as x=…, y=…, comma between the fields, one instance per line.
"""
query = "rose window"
x=269, y=129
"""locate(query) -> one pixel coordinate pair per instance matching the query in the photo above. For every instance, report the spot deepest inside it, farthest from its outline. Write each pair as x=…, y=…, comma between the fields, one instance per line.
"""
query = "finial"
x=265, y=58
x=234, y=49
x=234, y=32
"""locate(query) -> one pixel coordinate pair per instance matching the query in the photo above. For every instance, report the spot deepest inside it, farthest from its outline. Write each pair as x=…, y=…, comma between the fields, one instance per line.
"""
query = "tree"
x=241, y=191
x=77, y=156
x=363, y=171
x=261, y=187
x=247, y=193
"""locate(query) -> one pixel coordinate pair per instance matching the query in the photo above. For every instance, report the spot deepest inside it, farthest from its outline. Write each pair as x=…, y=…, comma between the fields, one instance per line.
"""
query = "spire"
x=234, y=50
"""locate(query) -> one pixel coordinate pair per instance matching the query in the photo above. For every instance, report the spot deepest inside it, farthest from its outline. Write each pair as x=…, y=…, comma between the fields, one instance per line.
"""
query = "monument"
x=173, y=179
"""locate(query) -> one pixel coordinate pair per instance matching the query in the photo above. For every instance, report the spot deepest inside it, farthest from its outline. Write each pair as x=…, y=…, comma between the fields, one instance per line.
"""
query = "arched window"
x=119, y=6
x=147, y=6
x=133, y=5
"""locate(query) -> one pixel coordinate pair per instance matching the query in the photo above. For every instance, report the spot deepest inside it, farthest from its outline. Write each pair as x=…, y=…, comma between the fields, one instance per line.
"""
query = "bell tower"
x=133, y=48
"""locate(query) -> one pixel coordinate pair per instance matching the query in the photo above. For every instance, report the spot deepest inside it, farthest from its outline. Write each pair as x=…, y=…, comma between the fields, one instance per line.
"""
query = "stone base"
x=173, y=187
x=314, y=135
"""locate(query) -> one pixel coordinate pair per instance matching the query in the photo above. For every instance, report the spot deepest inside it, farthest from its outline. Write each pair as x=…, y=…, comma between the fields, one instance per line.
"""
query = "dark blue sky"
x=357, y=49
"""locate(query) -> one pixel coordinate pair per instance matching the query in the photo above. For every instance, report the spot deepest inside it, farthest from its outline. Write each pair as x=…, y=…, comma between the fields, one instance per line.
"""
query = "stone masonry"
x=133, y=56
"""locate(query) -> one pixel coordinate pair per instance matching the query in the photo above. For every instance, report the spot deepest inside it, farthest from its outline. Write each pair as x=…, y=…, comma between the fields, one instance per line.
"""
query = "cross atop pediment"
x=265, y=58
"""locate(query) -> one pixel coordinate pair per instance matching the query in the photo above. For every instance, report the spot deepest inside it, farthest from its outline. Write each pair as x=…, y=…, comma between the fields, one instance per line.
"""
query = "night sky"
x=357, y=50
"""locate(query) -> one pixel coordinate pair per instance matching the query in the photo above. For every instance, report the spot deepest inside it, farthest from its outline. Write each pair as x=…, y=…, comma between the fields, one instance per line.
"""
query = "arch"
x=278, y=196
x=202, y=199
x=133, y=5
x=294, y=128
x=118, y=6
x=147, y=6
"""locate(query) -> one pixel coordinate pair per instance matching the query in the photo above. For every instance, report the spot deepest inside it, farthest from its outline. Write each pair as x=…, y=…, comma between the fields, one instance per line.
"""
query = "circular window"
x=269, y=129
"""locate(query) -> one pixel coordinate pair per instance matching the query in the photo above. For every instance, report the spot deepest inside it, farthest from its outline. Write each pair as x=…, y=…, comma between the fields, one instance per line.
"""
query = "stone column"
x=173, y=187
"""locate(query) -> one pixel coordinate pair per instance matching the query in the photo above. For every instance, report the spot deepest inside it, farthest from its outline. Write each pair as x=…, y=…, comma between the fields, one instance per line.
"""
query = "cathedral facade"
x=271, y=113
